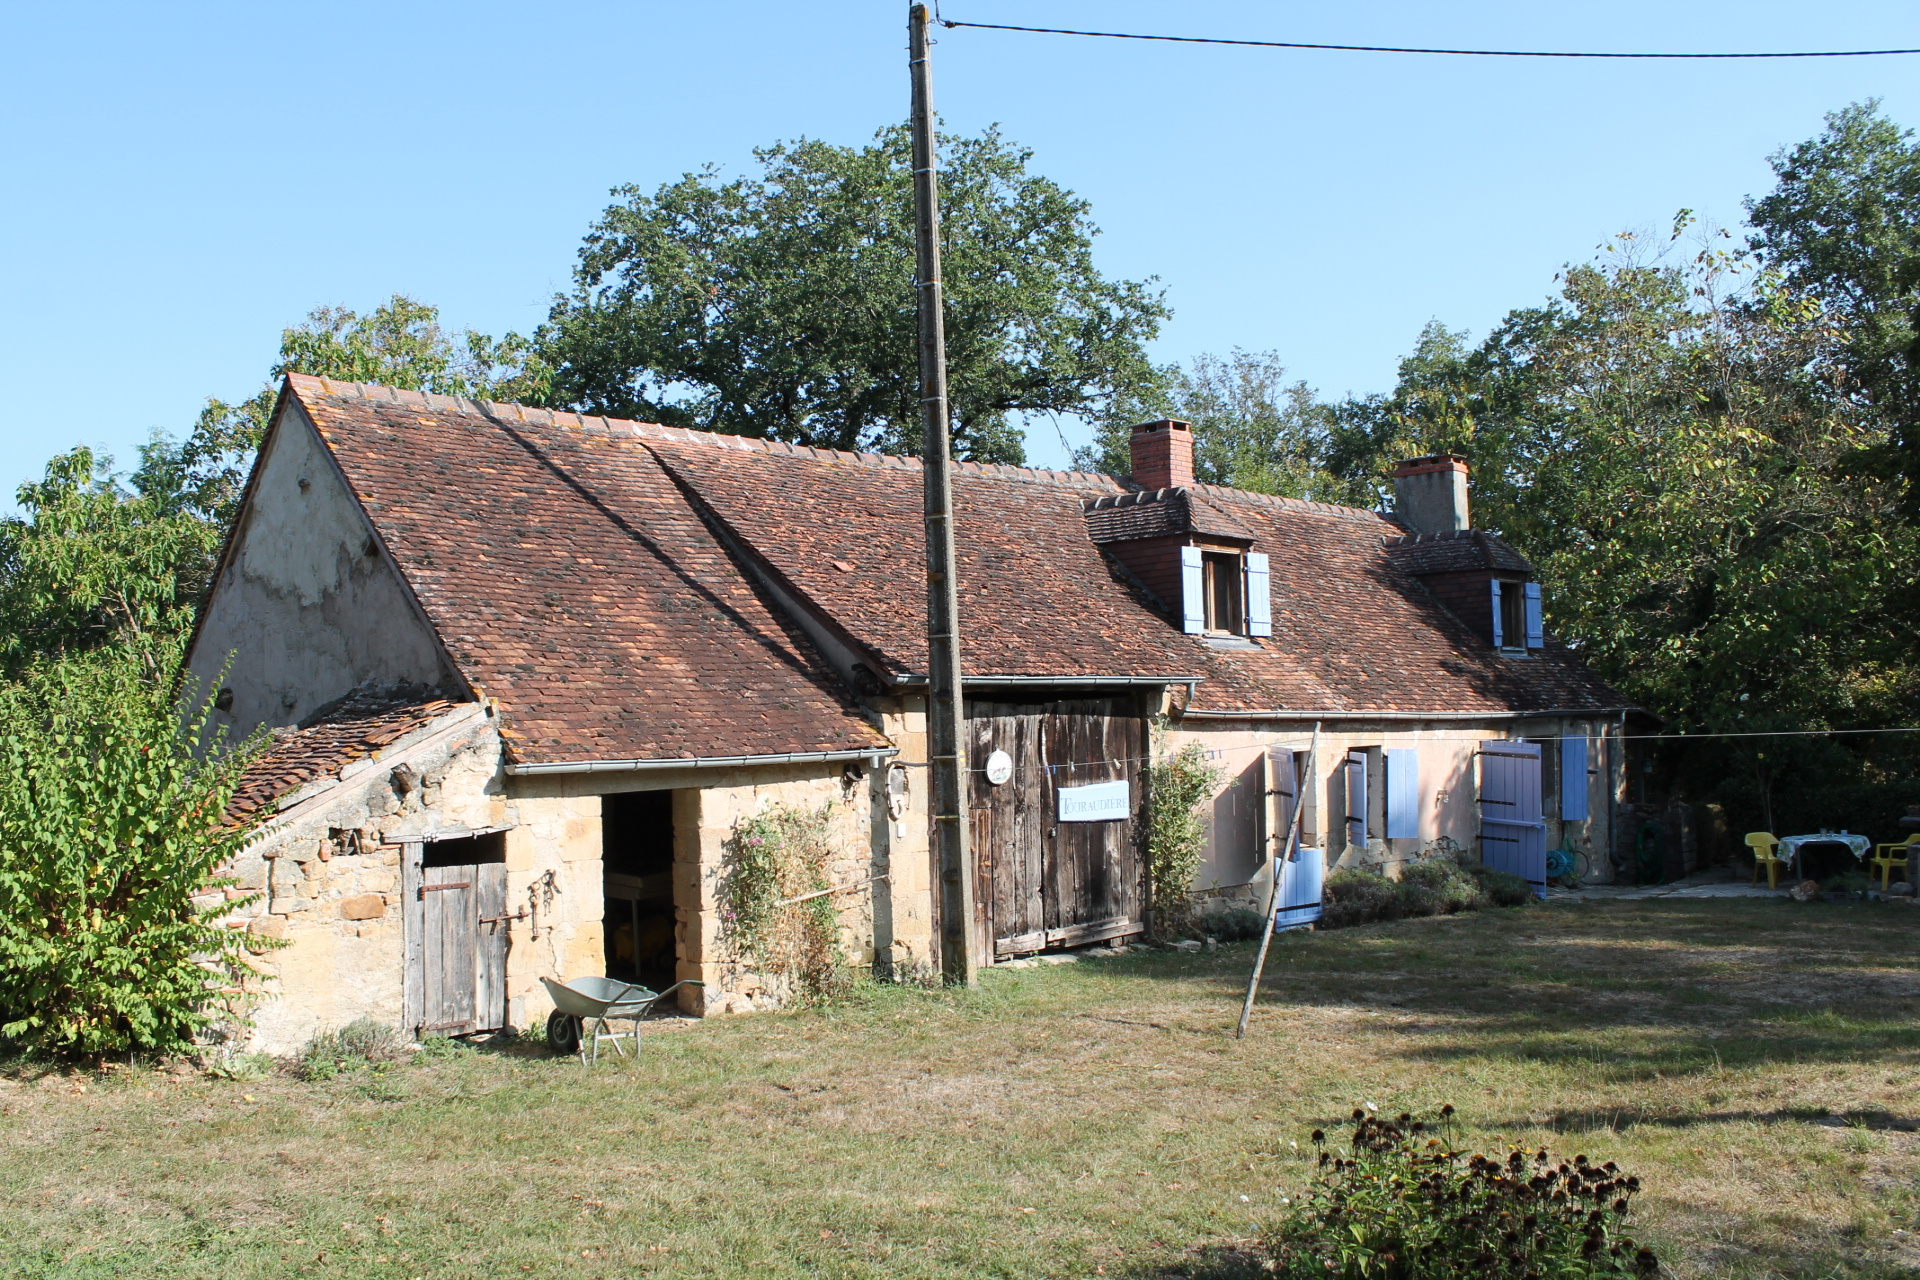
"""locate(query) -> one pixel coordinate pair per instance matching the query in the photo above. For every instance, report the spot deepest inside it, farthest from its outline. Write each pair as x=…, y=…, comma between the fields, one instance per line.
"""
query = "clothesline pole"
x=1273, y=890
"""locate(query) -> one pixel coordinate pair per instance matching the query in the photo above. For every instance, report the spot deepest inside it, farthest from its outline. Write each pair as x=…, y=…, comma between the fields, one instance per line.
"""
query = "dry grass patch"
x=1754, y=1061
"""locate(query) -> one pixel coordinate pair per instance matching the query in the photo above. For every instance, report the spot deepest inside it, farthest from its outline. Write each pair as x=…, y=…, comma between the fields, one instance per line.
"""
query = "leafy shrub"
x=1179, y=785
x=779, y=856
x=1354, y=897
x=1406, y=1205
x=1503, y=888
x=110, y=825
x=1443, y=883
x=358, y=1044
x=1235, y=925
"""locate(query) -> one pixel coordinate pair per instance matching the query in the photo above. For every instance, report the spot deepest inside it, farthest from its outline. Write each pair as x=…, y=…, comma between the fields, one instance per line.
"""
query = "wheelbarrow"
x=583, y=1007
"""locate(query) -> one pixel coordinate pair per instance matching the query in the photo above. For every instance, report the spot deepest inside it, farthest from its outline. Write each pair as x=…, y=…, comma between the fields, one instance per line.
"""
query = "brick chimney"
x=1430, y=494
x=1163, y=454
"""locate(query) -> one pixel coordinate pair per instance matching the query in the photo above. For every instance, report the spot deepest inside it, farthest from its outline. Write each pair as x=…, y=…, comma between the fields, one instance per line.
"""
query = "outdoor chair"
x=1764, y=845
x=1888, y=856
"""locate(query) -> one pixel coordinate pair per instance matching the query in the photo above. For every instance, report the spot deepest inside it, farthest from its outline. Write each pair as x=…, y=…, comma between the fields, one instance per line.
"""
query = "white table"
x=1790, y=845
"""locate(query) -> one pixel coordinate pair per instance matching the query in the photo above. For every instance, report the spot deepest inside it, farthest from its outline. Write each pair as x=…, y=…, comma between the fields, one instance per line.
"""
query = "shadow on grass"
x=1622, y=1120
x=1238, y=1261
x=1631, y=990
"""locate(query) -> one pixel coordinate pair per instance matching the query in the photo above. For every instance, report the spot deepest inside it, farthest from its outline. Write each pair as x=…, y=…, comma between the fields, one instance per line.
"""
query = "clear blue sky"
x=184, y=180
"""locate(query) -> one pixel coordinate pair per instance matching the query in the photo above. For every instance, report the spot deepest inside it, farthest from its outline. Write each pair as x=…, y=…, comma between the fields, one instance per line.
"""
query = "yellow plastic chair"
x=1888, y=856
x=1763, y=845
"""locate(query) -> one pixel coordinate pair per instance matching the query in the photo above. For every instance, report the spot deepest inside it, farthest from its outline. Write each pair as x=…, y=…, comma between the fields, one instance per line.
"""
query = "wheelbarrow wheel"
x=563, y=1032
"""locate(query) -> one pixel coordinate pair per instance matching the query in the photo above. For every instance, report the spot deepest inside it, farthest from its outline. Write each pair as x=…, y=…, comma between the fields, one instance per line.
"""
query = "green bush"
x=1445, y=883
x=1179, y=786
x=1235, y=925
x=1503, y=888
x=110, y=825
x=1406, y=1205
x=1354, y=897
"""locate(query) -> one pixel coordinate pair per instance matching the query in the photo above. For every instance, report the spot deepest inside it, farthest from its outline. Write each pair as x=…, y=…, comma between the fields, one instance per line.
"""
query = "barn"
x=525, y=677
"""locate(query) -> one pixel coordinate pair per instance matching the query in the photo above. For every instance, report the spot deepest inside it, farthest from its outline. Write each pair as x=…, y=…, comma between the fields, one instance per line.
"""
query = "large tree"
x=1843, y=224
x=782, y=304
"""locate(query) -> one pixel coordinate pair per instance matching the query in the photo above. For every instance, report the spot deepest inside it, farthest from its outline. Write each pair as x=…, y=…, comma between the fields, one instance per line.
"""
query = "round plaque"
x=999, y=767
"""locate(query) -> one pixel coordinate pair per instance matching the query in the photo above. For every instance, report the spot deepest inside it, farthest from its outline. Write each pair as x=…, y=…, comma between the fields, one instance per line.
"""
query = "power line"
x=1387, y=48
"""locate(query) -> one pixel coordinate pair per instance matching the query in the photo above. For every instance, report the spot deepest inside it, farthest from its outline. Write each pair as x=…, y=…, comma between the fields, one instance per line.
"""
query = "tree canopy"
x=782, y=304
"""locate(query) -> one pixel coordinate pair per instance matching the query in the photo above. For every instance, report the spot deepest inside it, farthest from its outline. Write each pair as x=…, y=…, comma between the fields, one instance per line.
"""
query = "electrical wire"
x=1380, y=48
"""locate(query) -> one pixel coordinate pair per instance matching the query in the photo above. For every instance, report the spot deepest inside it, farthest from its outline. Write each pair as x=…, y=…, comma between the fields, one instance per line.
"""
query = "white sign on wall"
x=1102, y=802
x=999, y=767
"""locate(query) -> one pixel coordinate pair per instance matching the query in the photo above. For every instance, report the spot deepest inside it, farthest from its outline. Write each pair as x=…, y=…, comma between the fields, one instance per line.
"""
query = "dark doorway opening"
x=465, y=851
x=636, y=851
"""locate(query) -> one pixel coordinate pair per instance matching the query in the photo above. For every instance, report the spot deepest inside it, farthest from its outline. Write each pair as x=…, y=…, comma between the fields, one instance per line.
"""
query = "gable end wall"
x=308, y=603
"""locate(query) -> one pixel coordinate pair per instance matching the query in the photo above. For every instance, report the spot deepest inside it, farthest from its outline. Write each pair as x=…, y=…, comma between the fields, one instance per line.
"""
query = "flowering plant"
x=1407, y=1205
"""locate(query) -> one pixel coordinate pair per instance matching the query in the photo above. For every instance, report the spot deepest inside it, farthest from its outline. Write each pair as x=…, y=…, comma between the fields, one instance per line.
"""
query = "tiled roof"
x=566, y=563
x=346, y=730
x=1464, y=550
x=1158, y=513
x=571, y=582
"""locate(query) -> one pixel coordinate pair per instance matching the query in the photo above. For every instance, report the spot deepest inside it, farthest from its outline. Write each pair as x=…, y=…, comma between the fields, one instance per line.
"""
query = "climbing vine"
x=778, y=907
x=1182, y=782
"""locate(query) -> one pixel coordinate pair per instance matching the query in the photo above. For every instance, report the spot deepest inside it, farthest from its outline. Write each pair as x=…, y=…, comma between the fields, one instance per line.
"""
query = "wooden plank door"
x=1094, y=888
x=1513, y=834
x=459, y=967
x=1040, y=882
x=1008, y=832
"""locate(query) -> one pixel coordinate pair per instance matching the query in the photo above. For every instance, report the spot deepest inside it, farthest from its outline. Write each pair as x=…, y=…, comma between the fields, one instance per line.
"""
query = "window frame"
x=1216, y=563
x=1513, y=615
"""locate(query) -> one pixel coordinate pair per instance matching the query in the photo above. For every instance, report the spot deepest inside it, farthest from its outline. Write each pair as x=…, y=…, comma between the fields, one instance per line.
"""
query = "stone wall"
x=327, y=872
x=705, y=822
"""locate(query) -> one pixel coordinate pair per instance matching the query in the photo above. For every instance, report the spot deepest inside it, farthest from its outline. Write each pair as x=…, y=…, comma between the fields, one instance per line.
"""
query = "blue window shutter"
x=1357, y=798
x=1259, y=596
x=1573, y=779
x=1499, y=636
x=1536, y=635
x=1193, y=586
x=1403, y=794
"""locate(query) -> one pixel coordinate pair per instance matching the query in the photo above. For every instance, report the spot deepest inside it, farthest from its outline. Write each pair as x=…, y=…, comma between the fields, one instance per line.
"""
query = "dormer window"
x=1225, y=592
x=1516, y=616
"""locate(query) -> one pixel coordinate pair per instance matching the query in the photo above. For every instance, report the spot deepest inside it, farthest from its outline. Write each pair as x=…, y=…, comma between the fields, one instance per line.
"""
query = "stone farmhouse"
x=527, y=672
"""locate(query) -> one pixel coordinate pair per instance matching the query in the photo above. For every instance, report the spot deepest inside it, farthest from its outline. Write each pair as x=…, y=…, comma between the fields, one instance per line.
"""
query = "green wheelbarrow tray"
x=596, y=1001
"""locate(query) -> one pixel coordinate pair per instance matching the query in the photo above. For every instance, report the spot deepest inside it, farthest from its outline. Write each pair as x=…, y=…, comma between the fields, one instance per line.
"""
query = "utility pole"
x=946, y=714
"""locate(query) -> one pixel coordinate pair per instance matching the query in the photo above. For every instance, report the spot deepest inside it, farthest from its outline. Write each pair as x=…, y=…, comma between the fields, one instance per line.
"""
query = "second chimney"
x=1162, y=454
x=1430, y=494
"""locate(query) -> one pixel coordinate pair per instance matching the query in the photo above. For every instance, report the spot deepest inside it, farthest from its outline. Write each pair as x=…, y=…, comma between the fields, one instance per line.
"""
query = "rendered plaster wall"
x=1242, y=819
x=327, y=881
x=307, y=604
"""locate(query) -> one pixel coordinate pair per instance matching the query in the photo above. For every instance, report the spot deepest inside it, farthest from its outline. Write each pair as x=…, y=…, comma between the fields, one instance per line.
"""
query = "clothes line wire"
x=1217, y=753
x=1459, y=53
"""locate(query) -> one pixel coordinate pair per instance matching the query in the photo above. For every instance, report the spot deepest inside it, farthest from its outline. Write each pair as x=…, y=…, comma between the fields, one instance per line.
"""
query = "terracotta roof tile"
x=571, y=582
x=580, y=586
x=346, y=730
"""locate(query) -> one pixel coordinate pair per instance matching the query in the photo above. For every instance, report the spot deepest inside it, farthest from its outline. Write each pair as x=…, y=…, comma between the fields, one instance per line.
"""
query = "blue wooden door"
x=1299, y=900
x=1513, y=835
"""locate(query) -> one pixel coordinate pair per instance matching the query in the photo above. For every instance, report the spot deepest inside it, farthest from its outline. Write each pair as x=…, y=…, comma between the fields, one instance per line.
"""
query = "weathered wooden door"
x=1513, y=835
x=456, y=940
x=1040, y=882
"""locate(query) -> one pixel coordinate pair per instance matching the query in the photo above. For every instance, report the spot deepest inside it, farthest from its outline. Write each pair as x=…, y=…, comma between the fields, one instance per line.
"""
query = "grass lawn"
x=1754, y=1061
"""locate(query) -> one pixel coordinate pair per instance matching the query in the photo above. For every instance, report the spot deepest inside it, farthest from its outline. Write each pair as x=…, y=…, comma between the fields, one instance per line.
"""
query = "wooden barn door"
x=456, y=938
x=1040, y=882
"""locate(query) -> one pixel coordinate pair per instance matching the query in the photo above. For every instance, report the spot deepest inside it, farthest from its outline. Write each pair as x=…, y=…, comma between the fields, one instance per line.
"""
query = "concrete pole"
x=946, y=714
